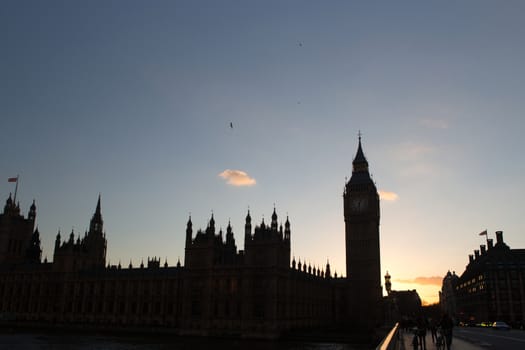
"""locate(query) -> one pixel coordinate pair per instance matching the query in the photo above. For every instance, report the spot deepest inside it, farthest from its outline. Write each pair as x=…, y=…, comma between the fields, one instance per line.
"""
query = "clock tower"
x=363, y=268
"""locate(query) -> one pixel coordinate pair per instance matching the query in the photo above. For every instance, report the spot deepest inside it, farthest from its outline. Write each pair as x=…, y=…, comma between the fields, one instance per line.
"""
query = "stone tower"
x=19, y=241
x=84, y=253
x=363, y=268
x=388, y=283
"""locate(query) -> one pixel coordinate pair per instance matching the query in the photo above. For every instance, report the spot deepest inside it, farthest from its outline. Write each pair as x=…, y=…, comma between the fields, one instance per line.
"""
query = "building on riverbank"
x=492, y=287
x=258, y=291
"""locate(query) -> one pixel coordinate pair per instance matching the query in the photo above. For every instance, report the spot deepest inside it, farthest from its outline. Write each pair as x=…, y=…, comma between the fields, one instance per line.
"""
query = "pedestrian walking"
x=422, y=333
x=415, y=341
x=446, y=325
x=433, y=330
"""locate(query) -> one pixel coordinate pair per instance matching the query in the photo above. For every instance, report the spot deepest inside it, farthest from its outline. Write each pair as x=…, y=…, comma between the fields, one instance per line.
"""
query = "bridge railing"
x=391, y=341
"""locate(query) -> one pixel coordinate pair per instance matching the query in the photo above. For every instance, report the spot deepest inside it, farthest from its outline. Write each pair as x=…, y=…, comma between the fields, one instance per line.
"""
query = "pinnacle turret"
x=360, y=163
x=274, y=223
x=96, y=221
x=360, y=175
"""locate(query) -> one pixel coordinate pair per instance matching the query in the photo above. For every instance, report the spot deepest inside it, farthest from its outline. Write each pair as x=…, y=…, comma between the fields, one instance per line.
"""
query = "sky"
x=133, y=100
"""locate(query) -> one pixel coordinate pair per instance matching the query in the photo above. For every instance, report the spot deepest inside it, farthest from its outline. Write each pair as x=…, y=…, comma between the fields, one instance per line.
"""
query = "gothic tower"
x=96, y=239
x=17, y=234
x=363, y=269
x=388, y=283
x=82, y=254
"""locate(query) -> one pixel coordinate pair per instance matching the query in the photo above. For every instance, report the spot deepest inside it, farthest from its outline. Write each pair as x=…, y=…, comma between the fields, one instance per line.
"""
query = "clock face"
x=359, y=204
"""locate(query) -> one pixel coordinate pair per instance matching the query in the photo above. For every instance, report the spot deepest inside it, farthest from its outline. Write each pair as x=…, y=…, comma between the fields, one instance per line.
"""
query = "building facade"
x=363, y=267
x=447, y=295
x=19, y=240
x=492, y=287
x=258, y=291
x=400, y=306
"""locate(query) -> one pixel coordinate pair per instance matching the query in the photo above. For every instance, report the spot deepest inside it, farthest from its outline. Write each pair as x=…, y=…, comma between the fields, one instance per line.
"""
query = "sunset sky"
x=168, y=108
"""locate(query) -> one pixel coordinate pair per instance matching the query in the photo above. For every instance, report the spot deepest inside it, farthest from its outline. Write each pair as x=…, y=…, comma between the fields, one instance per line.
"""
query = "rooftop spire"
x=274, y=224
x=360, y=163
x=96, y=221
x=212, y=222
x=98, y=205
x=360, y=174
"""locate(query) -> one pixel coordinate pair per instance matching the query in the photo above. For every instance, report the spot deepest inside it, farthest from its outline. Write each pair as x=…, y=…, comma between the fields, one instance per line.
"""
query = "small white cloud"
x=237, y=178
x=388, y=196
x=434, y=123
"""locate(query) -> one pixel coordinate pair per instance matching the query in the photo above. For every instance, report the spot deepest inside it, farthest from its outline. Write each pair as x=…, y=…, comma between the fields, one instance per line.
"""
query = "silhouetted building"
x=447, y=295
x=18, y=242
x=400, y=305
x=82, y=254
x=407, y=302
x=220, y=290
x=492, y=287
x=363, y=267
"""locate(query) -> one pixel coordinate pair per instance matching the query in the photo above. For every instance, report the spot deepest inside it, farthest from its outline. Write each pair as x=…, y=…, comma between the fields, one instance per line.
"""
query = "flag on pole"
x=484, y=233
x=12, y=179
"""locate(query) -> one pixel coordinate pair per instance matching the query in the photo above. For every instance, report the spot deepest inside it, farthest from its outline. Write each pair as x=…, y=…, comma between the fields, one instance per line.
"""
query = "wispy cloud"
x=432, y=280
x=434, y=123
x=423, y=169
x=388, y=196
x=416, y=159
x=237, y=178
x=410, y=151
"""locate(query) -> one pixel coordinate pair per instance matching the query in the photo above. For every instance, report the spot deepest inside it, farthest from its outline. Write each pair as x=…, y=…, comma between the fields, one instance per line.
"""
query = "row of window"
x=87, y=306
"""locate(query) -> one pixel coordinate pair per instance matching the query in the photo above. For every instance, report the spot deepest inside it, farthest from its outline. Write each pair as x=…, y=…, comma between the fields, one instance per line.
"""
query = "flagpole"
x=16, y=189
x=486, y=234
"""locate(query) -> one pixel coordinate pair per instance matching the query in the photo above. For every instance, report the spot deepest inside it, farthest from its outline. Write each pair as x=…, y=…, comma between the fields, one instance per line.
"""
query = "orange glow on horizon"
x=428, y=293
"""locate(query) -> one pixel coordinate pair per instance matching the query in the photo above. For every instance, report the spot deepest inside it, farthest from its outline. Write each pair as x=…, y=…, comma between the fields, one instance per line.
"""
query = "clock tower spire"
x=363, y=268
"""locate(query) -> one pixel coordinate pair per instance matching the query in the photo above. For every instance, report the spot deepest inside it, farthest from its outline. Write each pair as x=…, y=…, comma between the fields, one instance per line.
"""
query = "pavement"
x=457, y=344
